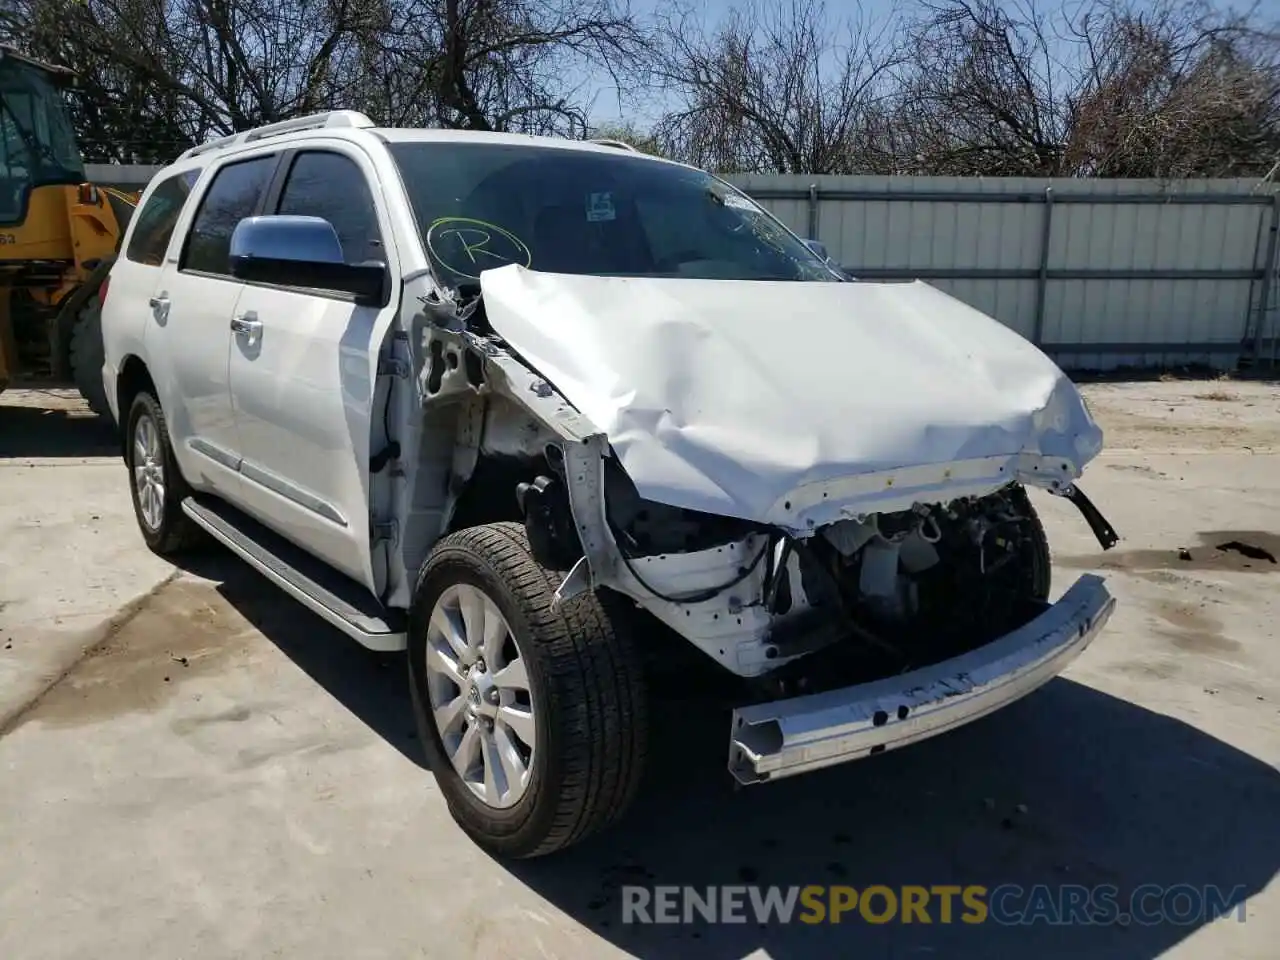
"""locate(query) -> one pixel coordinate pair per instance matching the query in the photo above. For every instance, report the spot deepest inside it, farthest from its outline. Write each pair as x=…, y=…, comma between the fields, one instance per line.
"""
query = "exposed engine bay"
x=907, y=588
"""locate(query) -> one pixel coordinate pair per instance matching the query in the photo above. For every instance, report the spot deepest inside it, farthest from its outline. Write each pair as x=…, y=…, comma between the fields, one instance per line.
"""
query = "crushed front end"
x=874, y=571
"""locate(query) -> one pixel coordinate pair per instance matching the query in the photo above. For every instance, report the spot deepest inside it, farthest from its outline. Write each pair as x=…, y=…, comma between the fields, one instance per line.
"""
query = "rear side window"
x=153, y=224
x=332, y=186
x=235, y=193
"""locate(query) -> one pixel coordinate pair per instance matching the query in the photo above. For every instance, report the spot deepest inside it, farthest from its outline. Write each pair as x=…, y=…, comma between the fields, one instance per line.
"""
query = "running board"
x=324, y=591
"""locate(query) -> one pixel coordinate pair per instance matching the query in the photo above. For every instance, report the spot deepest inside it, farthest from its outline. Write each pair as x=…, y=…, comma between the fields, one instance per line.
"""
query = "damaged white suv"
x=521, y=405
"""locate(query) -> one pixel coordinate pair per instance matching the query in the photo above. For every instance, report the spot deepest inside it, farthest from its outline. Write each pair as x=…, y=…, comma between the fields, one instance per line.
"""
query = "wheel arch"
x=133, y=378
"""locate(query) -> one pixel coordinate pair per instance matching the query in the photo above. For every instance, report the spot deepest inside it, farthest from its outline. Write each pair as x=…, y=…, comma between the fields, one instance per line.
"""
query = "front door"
x=303, y=370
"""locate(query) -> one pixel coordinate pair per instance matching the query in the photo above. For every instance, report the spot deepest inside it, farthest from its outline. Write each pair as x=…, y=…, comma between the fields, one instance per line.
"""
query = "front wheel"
x=534, y=719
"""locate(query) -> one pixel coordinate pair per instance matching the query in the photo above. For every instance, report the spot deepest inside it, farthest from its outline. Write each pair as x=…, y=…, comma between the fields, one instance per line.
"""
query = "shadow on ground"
x=372, y=686
x=1113, y=794
x=30, y=431
x=1069, y=786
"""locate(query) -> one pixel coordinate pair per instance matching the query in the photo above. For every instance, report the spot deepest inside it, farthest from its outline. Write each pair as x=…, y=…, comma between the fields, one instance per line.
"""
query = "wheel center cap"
x=482, y=693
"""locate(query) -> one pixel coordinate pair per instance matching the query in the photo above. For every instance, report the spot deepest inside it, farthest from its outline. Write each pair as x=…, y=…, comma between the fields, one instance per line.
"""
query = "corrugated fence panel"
x=1101, y=273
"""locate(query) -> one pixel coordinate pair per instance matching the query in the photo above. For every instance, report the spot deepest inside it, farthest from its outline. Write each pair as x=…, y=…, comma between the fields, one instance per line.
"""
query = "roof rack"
x=619, y=144
x=350, y=119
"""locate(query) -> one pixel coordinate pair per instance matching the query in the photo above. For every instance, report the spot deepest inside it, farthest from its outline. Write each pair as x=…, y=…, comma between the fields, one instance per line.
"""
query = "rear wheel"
x=87, y=357
x=534, y=719
x=155, y=482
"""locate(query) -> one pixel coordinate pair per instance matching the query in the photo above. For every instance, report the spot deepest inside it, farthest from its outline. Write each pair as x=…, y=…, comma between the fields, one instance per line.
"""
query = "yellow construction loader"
x=59, y=235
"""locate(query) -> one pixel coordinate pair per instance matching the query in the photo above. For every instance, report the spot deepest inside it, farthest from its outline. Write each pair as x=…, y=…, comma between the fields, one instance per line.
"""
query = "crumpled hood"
x=723, y=396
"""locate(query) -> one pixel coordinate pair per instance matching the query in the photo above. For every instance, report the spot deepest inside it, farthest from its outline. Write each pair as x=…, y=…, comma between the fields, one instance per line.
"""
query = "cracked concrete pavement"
x=194, y=766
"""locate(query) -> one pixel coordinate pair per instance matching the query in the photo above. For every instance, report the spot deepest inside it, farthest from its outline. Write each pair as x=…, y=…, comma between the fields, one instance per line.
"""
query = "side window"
x=332, y=186
x=234, y=194
x=153, y=224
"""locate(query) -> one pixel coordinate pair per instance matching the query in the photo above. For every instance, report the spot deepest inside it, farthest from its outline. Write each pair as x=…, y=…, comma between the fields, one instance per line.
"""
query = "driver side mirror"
x=291, y=251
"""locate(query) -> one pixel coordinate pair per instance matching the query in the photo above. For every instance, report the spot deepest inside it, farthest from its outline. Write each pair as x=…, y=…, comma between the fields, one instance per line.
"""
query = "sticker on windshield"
x=468, y=246
x=600, y=207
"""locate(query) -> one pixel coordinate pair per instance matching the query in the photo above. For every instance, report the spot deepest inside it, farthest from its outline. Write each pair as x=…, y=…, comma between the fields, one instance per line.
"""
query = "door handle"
x=247, y=325
x=160, y=309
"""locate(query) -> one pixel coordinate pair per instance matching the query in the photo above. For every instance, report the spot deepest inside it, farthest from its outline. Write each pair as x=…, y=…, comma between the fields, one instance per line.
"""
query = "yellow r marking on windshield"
x=481, y=234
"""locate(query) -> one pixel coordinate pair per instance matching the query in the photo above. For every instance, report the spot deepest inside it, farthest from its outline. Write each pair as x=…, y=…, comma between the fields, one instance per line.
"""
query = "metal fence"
x=1099, y=273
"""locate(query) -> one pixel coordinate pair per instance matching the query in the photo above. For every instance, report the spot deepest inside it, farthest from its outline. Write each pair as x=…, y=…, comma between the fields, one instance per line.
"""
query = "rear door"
x=190, y=338
x=135, y=276
x=303, y=374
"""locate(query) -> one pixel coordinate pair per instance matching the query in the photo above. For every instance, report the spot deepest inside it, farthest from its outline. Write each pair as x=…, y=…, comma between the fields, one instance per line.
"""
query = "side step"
x=326, y=592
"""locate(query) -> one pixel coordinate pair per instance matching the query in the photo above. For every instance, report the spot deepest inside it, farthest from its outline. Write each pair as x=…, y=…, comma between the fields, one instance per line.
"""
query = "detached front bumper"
x=779, y=739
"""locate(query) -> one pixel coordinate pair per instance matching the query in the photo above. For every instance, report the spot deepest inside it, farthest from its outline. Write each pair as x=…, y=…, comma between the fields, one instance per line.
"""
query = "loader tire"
x=88, y=356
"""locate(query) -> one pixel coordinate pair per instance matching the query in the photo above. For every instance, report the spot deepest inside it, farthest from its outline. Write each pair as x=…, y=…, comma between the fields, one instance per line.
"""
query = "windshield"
x=36, y=142
x=481, y=206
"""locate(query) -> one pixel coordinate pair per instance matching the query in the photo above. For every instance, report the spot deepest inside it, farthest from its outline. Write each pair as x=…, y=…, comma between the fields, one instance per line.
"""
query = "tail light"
x=102, y=291
x=89, y=194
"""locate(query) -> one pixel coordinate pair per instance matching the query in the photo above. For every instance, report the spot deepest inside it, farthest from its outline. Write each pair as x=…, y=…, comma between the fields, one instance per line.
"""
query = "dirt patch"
x=184, y=631
x=1138, y=468
x=1192, y=629
x=1174, y=415
x=1250, y=550
x=1149, y=668
x=1244, y=551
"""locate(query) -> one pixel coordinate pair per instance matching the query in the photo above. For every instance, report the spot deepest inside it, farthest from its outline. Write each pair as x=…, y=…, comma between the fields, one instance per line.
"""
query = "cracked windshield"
x=482, y=206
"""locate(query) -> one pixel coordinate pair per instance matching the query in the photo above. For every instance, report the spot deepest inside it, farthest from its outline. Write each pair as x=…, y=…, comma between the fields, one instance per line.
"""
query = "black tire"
x=87, y=357
x=175, y=533
x=585, y=677
x=1039, y=561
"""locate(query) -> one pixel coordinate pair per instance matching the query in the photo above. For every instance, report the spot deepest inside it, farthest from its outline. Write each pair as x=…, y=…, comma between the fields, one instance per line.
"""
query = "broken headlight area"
x=883, y=593
x=906, y=590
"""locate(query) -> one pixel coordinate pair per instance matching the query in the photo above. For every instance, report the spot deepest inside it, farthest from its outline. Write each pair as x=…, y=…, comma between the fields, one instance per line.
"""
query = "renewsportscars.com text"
x=1006, y=904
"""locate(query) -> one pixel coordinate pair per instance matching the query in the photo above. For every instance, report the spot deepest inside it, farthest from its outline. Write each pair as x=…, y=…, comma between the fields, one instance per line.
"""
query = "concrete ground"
x=191, y=765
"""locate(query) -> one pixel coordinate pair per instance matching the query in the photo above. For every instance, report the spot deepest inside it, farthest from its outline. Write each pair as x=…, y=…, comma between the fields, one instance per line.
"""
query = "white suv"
x=518, y=404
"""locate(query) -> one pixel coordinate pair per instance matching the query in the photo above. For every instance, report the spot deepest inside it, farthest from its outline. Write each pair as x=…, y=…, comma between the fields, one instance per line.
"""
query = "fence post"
x=1264, y=289
x=1037, y=323
x=813, y=211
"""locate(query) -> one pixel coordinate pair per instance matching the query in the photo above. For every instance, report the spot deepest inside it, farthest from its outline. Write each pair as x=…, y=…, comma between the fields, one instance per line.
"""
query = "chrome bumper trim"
x=786, y=737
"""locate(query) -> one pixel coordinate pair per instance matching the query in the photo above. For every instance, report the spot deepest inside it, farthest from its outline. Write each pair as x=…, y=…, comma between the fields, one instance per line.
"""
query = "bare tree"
x=1174, y=91
x=1164, y=89
x=175, y=72
x=778, y=87
x=498, y=64
x=980, y=94
x=1150, y=88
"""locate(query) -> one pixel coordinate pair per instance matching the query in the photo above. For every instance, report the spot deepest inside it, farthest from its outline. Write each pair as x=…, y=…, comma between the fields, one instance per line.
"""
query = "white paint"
x=737, y=397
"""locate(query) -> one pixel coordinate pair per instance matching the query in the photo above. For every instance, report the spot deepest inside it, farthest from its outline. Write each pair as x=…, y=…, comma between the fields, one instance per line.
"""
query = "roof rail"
x=619, y=144
x=351, y=119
